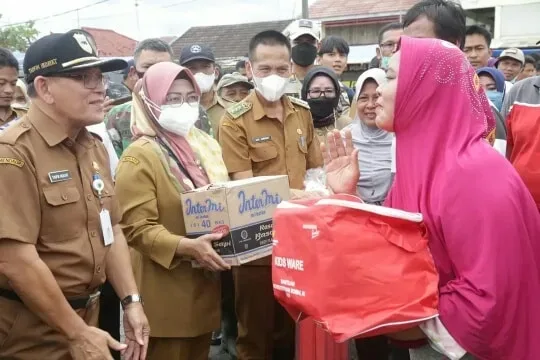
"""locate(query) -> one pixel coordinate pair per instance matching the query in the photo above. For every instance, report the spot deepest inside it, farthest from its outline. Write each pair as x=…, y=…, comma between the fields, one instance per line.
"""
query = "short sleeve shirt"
x=250, y=140
x=48, y=199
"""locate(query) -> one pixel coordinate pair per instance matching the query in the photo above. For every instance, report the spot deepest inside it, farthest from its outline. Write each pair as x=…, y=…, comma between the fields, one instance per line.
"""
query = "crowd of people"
x=91, y=217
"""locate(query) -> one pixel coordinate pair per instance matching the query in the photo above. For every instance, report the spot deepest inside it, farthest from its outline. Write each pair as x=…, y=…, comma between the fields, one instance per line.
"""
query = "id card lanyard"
x=104, y=216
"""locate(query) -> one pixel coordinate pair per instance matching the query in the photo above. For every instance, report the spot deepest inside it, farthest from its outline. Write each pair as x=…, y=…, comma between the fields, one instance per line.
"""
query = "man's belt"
x=76, y=303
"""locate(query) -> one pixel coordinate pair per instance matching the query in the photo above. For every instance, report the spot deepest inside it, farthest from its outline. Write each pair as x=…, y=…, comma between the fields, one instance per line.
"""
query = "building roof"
x=111, y=43
x=350, y=9
x=227, y=41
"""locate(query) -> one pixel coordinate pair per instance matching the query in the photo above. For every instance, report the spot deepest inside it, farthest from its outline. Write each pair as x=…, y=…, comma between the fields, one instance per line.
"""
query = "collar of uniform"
x=258, y=109
x=10, y=117
x=51, y=132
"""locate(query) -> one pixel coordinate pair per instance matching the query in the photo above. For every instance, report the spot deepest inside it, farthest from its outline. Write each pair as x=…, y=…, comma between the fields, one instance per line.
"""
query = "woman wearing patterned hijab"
x=170, y=156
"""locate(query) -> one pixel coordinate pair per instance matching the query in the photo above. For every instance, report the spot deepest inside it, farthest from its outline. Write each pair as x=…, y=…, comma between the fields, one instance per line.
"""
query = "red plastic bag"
x=359, y=270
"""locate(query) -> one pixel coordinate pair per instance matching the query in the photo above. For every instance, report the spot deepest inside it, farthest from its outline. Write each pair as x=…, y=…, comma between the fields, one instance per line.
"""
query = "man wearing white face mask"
x=267, y=133
x=200, y=60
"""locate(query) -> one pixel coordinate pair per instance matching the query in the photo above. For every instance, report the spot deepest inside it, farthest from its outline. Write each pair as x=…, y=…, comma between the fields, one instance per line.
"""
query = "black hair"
x=156, y=45
x=448, y=18
x=388, y=27
x=240, y=64
x=270, y=38
x=538, y=66
x=329, y=43
x=529, y=60
x=478, y=30
x=7, y=59
x=31, y=90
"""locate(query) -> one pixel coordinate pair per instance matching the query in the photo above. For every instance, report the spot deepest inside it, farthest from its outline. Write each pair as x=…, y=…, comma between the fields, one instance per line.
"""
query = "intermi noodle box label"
x=243, y=208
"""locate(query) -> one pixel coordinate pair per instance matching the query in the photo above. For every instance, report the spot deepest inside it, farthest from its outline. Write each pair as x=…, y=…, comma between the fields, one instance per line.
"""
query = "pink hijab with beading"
x=484, y=227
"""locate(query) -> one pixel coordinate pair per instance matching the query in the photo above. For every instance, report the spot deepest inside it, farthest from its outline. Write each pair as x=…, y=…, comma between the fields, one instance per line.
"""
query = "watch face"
x=131, y=299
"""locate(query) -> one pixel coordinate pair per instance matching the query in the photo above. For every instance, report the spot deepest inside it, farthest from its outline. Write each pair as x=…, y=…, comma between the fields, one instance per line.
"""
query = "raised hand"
x=340, y=163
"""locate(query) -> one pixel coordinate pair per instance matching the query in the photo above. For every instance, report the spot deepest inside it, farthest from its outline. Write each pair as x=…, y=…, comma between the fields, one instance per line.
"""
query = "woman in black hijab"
x=321, y=90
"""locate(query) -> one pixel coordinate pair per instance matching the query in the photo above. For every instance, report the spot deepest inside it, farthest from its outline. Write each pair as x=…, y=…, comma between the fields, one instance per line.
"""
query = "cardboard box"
x=244, y=208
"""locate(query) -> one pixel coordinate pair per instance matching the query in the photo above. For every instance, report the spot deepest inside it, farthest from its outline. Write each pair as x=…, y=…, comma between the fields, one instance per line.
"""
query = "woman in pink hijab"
x=484, y=227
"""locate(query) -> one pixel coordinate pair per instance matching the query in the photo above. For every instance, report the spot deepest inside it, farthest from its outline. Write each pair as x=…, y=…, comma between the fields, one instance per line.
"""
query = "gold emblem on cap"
x=299, y=131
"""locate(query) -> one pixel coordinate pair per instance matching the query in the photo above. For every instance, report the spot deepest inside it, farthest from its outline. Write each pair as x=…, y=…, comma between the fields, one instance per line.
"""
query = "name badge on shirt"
x=262, y=139
x=106, y=227
x=59, y=176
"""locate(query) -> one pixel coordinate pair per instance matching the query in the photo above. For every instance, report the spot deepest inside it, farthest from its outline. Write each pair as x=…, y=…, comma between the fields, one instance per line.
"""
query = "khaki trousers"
x=196, y=348
x=265, y=329
x=23, y=336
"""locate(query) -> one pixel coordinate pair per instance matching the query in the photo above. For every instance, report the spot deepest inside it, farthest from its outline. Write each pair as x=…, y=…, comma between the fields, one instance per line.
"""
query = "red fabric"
x=523, y=146
x=357, y=273
x=483, y=225
x=314, y=343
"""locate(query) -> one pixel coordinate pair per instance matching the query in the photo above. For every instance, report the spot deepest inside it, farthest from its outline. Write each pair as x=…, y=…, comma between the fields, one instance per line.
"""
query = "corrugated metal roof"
x=227, y=41
x=349, y=8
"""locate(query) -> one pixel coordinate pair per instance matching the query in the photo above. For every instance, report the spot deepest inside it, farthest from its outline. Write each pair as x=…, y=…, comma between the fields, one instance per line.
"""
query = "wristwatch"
x=130, y=299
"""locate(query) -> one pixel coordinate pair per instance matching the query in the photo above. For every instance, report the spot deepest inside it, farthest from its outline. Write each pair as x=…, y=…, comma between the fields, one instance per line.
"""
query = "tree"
x=18, y=37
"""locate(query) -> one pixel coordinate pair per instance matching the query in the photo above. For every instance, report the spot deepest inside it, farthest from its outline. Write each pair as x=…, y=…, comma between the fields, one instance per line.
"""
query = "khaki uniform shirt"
x=15, y=113
x=252, y=141
x=48, y=199
x=215, y=112
x=180, y=301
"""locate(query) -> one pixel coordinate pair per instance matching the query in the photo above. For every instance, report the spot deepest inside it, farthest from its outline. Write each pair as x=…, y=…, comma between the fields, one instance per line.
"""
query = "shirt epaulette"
x=10, y=132
x=299, y=102
x=239, y=109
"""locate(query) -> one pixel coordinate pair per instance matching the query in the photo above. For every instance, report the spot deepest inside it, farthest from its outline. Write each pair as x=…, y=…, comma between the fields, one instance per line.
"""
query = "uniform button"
x=106, y=192
x=98, y=269
x=64, y=197
x=69, y=143
x=89, y=197
x=93, y=233
x=25, y=125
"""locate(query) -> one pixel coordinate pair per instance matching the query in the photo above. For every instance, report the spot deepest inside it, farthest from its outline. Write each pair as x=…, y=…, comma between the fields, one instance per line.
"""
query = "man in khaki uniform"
x=304, y=36
x=59, y=237
x=200, y=60
x=9, y=70
x=268, y=133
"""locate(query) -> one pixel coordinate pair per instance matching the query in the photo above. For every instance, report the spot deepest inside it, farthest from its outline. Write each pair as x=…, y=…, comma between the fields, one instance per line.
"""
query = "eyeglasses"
x=177, y=99
x=329, y=93
x=90, y=80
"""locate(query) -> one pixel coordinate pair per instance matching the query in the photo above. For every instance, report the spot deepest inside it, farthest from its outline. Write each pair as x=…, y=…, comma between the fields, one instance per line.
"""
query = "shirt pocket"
x=61, y=212
x=263, y=156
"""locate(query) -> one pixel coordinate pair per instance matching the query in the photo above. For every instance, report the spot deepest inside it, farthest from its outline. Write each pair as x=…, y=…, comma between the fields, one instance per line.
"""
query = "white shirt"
x=101, y=130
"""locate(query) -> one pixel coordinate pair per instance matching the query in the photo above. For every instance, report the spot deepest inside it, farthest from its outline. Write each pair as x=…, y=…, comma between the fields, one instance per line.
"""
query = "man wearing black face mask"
x=321, y=90
x=304, y=36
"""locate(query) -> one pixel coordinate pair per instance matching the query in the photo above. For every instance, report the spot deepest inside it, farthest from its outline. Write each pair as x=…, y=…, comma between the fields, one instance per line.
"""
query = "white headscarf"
x=375, y=155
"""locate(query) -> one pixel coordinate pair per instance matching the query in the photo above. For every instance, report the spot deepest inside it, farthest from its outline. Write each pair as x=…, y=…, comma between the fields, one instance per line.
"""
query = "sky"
x=155, y=17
